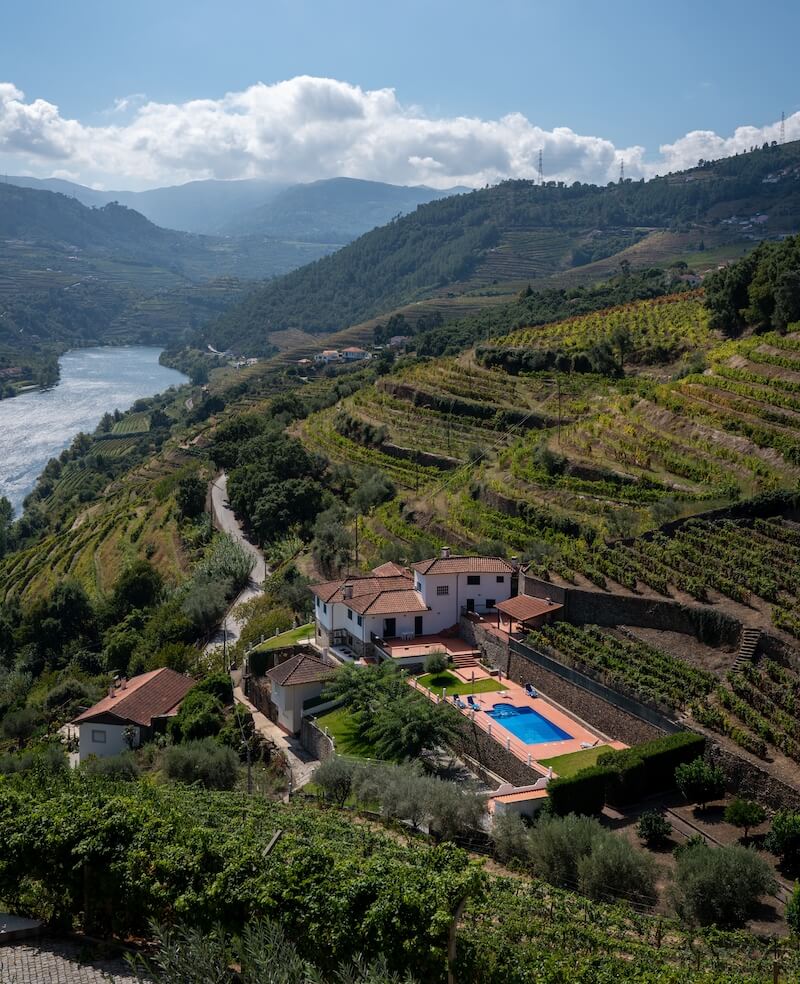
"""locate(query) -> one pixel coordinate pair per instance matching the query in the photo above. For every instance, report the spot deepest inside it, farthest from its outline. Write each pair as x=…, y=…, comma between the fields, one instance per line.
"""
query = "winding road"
x=226, y=521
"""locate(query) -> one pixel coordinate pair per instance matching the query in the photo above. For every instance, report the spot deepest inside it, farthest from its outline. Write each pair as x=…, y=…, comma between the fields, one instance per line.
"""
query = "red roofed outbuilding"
x=128, y=715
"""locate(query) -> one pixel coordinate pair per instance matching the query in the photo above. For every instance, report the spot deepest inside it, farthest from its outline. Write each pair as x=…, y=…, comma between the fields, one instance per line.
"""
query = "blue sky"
x=633, y=74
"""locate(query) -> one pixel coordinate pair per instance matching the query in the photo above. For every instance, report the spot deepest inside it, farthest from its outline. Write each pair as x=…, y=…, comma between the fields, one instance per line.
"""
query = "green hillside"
x=497, y=239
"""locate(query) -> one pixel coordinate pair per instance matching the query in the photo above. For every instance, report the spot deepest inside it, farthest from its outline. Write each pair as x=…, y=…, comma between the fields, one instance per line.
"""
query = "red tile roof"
x=392, y=602
x=299, y=670
x=145, y=697
x=463, y=565
x=332, y=591
x=390, y=569
x=524, y=607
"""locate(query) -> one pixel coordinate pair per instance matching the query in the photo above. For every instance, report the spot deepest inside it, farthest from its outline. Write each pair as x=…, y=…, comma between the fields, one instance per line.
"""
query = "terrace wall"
x=315, y=741
x=585, y=607
x=748, y=777
x=477, y=744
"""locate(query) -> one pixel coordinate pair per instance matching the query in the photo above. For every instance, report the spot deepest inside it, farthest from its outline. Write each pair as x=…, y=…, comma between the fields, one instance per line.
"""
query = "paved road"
x=226, y=521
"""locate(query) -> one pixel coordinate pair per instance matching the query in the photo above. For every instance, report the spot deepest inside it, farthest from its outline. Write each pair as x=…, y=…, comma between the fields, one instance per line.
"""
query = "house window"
x=442, y=589
x=317, y=602
x=325, y=609
x=490, y=602
x=501, y=579
x=473, y=579
x=98, y=736
x=360, y=620
x=350, y=614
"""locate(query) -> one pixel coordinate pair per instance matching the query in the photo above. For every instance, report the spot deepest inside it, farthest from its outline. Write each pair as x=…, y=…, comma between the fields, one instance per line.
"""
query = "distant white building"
x=392, y=602
x=354, y=354
x=130, y=713
x=328, y=355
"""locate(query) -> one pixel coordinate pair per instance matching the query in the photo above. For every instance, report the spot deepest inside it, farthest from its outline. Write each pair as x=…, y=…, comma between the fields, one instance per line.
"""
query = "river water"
x=38, y=425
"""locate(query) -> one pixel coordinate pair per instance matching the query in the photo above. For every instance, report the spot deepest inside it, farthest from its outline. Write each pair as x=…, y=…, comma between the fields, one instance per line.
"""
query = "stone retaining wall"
x=748, y=777
x=315, y=741
x=491, y=755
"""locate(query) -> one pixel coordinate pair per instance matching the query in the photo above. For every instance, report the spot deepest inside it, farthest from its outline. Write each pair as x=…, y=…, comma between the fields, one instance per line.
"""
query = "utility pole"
x=622, y=172
x=558, y=427
x=783, y=127
x=356, y=541
x=541, y=169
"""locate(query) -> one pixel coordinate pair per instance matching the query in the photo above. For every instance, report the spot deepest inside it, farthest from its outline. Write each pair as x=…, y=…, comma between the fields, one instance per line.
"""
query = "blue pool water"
x=527, y=725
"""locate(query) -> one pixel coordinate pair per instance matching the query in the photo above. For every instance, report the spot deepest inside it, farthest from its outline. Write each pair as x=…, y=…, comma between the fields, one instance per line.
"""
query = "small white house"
x=292, y=683
x=126, y=716
x=354, y=354
x=328, y=355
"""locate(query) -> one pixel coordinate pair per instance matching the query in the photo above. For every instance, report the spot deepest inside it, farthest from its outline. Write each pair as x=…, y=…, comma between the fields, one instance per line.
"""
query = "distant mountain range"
x=334, y=211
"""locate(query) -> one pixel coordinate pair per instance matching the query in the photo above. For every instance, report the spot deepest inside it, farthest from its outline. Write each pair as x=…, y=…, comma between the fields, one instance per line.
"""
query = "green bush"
x=745, y=814
x=200, y=716
x=784, y=837
x=218, y=685
x=649, y=767
x=720, y=886
x=334, y=776
x=583, y=793
x=436, y=662
x=203, y=762
x=48, y=758
x=793, y=908
x=556, y=845
x=653, y=828
x=121, y=766
x=700, y=782
x=616, y=869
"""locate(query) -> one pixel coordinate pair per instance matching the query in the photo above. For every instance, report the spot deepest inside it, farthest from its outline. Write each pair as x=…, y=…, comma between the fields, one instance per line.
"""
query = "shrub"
x=793, y=908
x=700, y=782
x=200, y=716
x=784, y=837
x=745, y=814
x=21, y=725
x=616, y=869
x=557, y=843
x=436, y=662
x=720, y=885
x=50, y=758
x=121, y=766
x=452, y=809
x=334, y=776
x=583, y=793
x=203, y=762
x=66, y=695
x=649, y=767
x=510, y=837
x=218, y=685
x=653, y=828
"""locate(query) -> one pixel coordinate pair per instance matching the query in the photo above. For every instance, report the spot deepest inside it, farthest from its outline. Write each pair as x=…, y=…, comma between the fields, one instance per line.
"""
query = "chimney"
x=445, y=553
x=515, y=563
x=111, y=690
x=124, y=684
x=347, y=591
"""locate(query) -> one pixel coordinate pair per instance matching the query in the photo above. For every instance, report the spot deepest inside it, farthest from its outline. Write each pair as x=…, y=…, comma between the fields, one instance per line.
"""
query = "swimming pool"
x=527, y=725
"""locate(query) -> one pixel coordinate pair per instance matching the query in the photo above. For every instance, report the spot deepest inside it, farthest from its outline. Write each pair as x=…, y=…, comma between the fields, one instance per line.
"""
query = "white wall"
x=90, y=740
x=289, y=703
x=446, y=609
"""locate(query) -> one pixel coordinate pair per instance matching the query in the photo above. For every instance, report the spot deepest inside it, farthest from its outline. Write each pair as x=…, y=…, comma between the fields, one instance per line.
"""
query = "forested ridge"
x=443, y=242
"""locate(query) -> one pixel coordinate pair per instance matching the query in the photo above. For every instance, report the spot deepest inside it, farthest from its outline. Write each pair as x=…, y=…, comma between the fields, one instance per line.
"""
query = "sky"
x=127, y=95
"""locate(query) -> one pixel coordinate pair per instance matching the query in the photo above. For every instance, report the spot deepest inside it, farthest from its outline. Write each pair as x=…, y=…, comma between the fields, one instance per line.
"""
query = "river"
x=38, y=425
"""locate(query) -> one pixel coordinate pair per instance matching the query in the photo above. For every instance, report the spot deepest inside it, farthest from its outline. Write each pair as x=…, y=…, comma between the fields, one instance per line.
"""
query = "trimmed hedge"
x=621, y=777
x=583, y=793
x=648, y=768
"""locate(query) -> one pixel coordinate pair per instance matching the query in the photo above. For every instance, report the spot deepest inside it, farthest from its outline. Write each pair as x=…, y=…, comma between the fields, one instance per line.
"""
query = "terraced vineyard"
x=648, y=331
x=625, y=664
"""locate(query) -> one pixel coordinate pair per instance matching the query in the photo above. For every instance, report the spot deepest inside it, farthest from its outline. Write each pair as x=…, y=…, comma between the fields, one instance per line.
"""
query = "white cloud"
x=307, y=128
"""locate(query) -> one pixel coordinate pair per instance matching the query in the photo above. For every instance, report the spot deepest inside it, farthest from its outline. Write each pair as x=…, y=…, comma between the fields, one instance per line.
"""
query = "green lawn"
x=435, y=682
x=340, y=724
x=572, y=762
x=290, y=638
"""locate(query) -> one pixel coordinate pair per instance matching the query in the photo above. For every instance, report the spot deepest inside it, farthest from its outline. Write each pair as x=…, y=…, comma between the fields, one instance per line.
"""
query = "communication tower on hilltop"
x=622, y=171
x=783, y=127
x=541, y=169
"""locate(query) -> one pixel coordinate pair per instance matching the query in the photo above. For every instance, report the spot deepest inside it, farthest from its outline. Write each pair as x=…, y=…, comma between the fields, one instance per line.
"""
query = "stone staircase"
x=748, y=642
x=463, y=661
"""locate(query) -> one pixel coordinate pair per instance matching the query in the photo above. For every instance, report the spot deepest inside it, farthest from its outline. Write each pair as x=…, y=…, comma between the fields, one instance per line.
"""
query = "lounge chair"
x=530, y=690
x=460, y=704
x=473, y=703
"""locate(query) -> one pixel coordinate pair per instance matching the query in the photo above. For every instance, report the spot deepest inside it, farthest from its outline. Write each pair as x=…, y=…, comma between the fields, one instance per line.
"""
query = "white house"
x=292, y=683
x=328, y=355
x=354, y=354
x=392, y=602
x=126, y=717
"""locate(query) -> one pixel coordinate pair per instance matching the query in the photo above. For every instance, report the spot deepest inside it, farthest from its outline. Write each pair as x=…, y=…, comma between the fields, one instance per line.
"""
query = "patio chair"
x=460, y=704
x=530, y=690
x=473, y=703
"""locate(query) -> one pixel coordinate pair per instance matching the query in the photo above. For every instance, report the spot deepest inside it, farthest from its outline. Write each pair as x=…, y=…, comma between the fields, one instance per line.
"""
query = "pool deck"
x=516, y=696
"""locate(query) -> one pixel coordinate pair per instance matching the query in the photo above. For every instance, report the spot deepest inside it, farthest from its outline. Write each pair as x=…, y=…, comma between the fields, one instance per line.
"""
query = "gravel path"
x=58, y=962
